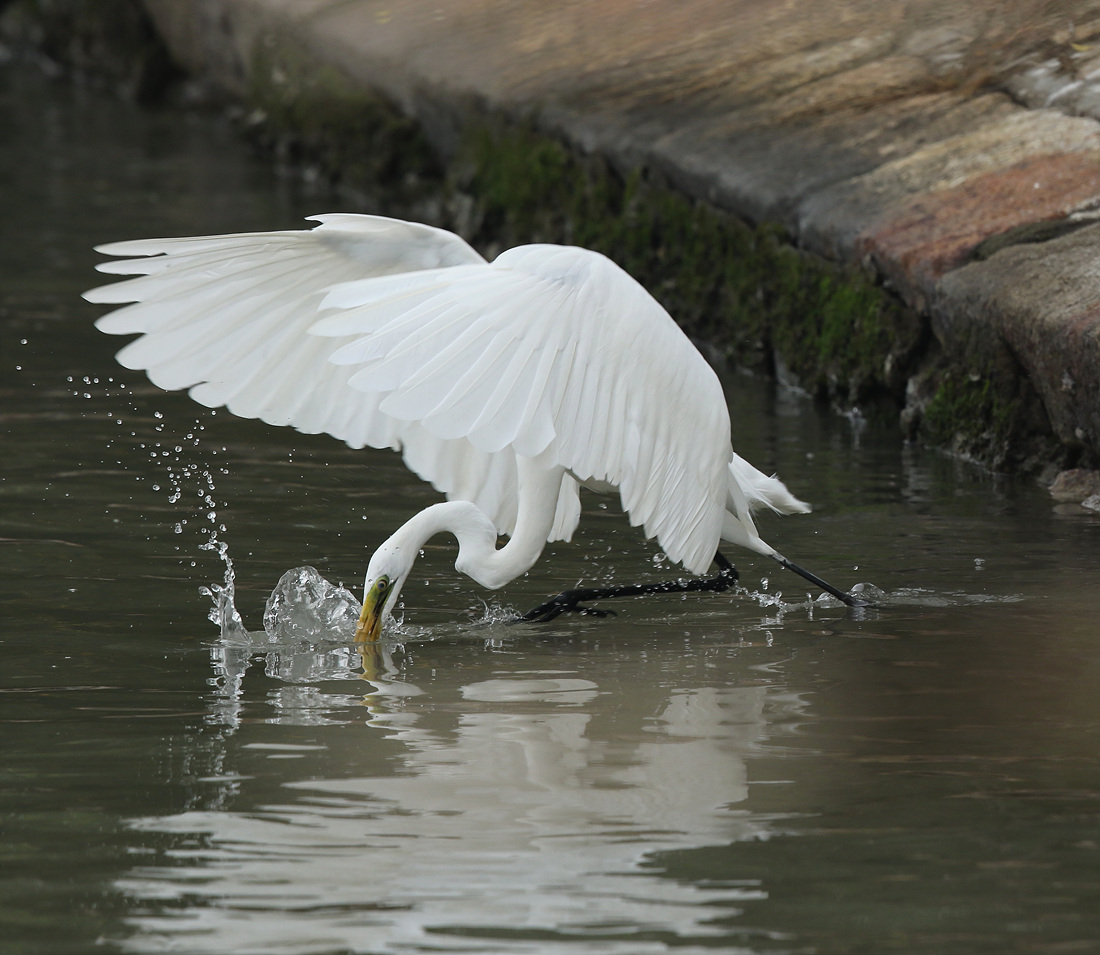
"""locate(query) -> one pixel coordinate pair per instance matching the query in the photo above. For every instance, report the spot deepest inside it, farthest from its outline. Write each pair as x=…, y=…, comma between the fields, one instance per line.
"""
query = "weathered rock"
x=922, y=215
x=1077, y=486
x=1040, y=302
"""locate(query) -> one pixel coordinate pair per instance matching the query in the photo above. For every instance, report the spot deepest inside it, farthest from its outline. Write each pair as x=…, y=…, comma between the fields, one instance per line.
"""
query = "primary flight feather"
x=507, y=385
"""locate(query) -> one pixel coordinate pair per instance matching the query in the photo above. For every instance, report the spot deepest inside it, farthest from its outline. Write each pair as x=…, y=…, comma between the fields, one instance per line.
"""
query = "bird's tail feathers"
x=763, y=491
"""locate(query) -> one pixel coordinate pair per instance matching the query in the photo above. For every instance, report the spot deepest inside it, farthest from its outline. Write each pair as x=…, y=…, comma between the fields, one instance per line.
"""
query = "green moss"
x=970, y=415
x=836, y=329
x=958, y=406
x=743, y=289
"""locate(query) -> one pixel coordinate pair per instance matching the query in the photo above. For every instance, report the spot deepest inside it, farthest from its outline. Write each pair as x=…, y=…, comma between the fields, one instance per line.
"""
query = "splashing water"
x=224, y=614
x=305, y=605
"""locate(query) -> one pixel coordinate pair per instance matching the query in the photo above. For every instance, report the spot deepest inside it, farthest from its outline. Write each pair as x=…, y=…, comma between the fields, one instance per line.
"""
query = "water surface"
x=752, y=772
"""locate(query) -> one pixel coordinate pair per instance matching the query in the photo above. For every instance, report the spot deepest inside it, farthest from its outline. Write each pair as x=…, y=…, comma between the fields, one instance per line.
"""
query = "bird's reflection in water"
x=516, y=813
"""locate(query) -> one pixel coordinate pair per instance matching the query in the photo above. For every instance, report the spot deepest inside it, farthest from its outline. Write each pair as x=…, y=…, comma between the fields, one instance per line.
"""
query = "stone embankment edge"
x=1007, y=377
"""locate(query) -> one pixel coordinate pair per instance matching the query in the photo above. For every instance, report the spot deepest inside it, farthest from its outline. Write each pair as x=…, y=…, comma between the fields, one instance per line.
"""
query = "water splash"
x=776, y=602
x=304, y=605
x=224, y=614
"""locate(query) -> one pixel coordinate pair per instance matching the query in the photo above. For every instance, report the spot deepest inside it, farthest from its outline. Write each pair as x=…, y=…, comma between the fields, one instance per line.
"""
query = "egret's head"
x=386, y=574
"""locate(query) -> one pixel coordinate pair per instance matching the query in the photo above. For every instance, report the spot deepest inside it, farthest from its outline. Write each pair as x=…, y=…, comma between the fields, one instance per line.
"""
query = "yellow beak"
x=369, y=628
x=370, y=624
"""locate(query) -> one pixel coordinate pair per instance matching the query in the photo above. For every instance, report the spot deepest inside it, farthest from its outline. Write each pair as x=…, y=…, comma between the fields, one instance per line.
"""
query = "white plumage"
x=504, y=384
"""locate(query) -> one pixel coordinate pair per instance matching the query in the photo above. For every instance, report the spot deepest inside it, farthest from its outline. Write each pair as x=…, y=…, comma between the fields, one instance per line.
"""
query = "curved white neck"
x=478, y=555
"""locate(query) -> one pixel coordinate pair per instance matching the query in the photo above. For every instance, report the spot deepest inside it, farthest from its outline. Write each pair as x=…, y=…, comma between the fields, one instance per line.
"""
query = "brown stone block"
x=922, y=238
x=1042, y=301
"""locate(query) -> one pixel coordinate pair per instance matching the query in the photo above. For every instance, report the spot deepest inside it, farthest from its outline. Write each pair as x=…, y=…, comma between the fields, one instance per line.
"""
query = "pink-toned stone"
x=932, y=233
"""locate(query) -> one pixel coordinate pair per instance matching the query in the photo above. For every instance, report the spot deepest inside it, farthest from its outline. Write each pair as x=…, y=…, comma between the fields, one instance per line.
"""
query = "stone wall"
x=888, y=204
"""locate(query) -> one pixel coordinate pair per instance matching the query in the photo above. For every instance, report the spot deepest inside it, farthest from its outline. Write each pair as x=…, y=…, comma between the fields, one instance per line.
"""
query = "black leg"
x=843, y=596
x=569, y=601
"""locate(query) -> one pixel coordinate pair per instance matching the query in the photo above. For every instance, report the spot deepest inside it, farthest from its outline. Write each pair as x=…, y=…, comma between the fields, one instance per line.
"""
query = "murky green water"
x=729, y=773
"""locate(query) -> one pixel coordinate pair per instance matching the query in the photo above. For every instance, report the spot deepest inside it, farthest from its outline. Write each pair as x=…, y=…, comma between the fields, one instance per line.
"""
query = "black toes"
x=593, y=611
x=567, y=602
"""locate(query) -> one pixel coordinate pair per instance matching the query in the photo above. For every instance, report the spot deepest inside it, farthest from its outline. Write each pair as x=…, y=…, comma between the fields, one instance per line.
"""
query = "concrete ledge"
x=949, y=151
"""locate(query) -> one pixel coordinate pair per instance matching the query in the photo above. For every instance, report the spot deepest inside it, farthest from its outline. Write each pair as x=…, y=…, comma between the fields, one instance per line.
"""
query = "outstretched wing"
x=228, y=316
x=391, y=334
x=550, y=350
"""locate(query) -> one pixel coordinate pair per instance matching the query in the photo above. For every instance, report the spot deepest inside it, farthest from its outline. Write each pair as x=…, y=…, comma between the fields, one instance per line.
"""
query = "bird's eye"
x=382, y=583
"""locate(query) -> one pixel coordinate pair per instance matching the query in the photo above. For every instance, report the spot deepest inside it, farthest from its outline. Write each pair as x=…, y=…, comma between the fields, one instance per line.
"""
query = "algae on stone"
x=988, y=419
x=744, y=290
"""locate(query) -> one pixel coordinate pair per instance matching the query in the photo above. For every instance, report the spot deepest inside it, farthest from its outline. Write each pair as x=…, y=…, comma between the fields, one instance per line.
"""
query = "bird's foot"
x=850, y=599
x=568, y=601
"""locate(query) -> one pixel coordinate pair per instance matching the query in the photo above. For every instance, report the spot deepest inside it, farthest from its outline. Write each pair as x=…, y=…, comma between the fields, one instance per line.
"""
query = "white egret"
x=508, y=385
